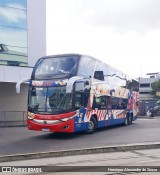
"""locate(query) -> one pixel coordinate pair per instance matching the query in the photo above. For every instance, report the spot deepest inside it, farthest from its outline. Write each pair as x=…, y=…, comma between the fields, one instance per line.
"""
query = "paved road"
x=135, y=162
x=17, y=140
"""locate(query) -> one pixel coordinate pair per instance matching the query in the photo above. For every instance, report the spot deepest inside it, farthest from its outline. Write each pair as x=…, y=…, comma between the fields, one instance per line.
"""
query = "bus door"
x=109, y=110
x=80, y=100
x=100, y=108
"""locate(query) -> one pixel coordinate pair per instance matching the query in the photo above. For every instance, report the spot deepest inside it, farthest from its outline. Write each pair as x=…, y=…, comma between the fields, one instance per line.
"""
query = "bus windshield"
x=52, y=100
x=58, y=67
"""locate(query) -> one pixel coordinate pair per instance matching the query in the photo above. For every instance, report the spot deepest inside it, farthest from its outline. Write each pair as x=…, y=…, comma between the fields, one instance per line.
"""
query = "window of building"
x=144, y=92
x=13, y=27
x=13, y=63
x=143, y=85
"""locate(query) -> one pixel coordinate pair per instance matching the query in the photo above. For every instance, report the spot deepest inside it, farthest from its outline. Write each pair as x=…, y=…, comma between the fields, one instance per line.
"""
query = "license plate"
x=45, y=129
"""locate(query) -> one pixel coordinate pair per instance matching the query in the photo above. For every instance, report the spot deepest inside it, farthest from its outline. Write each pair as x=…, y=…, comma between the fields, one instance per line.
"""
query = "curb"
x=146, y=117
x=96, y=150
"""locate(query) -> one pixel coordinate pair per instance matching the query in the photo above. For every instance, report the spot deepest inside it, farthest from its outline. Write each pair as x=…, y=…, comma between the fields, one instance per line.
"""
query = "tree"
x=155, y=88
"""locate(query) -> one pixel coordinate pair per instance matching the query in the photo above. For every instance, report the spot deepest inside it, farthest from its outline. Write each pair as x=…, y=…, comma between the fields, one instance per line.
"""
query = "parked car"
x=155, y=111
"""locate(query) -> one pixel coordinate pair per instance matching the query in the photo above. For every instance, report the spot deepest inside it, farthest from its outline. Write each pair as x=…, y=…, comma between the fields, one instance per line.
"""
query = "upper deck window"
x=56, y=67
x=86, y=67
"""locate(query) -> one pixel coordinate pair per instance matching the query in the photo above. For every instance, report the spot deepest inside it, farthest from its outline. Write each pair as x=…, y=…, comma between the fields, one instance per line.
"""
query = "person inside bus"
x=119, y=106
x=124, y=104
x=99, y=102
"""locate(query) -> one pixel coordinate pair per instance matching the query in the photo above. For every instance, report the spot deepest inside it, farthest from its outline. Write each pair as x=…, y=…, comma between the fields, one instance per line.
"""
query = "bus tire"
x=130, y=119
x=126, y=122
x=92, y=126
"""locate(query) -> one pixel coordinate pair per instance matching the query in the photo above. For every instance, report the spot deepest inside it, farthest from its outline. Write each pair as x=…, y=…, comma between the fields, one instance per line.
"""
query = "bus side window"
x=119, y=103
x=86, y=97
x=109, y=105
x=124, y=103
x=115, y=102
x=78, y=100
x=99, y=102
x=78, y=95
x=81, y=99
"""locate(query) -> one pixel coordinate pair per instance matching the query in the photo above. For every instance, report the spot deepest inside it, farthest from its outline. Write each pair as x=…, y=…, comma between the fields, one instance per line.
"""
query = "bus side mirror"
x=70, y=83
x=18, y=84
x=86, y=83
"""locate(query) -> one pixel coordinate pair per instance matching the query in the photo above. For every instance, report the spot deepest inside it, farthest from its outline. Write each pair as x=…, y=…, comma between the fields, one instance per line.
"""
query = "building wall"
x=10, y=100
x=36, y=29
x=13, y=106
x=35, y=40
x=147, y=100
x=14, y=73
x=145, y=92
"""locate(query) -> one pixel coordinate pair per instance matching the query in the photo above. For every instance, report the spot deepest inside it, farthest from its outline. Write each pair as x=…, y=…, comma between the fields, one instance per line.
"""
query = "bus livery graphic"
x=73, y=92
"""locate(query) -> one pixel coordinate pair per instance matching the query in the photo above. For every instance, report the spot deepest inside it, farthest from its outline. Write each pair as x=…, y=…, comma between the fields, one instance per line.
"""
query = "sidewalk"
x=146, y=160
x=147, y=117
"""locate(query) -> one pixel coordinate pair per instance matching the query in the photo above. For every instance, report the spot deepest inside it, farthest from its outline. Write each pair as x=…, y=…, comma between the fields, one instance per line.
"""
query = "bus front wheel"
x=92, y=126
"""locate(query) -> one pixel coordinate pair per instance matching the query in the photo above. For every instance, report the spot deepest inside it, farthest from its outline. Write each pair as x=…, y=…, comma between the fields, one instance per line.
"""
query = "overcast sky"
x=122, y=33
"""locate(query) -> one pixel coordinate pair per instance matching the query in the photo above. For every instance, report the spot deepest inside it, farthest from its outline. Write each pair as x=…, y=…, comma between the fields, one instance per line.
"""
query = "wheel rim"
x=91, y=126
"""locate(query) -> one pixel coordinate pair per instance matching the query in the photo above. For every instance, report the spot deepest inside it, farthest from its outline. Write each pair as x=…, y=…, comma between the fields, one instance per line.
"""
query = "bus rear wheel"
x=130, y=119
x=92, y=126
x=126, y=122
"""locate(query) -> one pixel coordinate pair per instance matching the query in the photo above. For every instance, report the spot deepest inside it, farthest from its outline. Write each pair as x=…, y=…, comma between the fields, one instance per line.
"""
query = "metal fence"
x=12, y=118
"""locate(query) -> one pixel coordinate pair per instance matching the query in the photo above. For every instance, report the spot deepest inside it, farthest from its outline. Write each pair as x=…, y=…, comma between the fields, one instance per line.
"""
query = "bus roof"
x=83, y=55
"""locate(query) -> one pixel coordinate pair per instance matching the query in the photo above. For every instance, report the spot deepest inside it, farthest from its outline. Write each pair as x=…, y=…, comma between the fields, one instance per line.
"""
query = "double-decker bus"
x=73, y=92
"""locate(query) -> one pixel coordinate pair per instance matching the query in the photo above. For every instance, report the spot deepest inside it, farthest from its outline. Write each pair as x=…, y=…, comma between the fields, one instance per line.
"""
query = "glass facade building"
x=22, y=42
x=13, y=29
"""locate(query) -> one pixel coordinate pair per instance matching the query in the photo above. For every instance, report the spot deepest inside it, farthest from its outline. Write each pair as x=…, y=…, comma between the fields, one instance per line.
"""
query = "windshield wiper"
x=63, y=71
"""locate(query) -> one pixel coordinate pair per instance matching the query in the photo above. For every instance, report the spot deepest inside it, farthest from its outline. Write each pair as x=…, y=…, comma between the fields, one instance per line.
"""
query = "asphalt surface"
x=19, y=140
x=140, y=162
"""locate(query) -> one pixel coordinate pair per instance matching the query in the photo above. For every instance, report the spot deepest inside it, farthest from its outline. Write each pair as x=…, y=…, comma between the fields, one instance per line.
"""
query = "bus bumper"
x=67, y=126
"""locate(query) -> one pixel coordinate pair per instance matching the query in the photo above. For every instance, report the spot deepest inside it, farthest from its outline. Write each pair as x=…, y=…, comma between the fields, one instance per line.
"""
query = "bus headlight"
x=30, y=115
x=66, y=119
